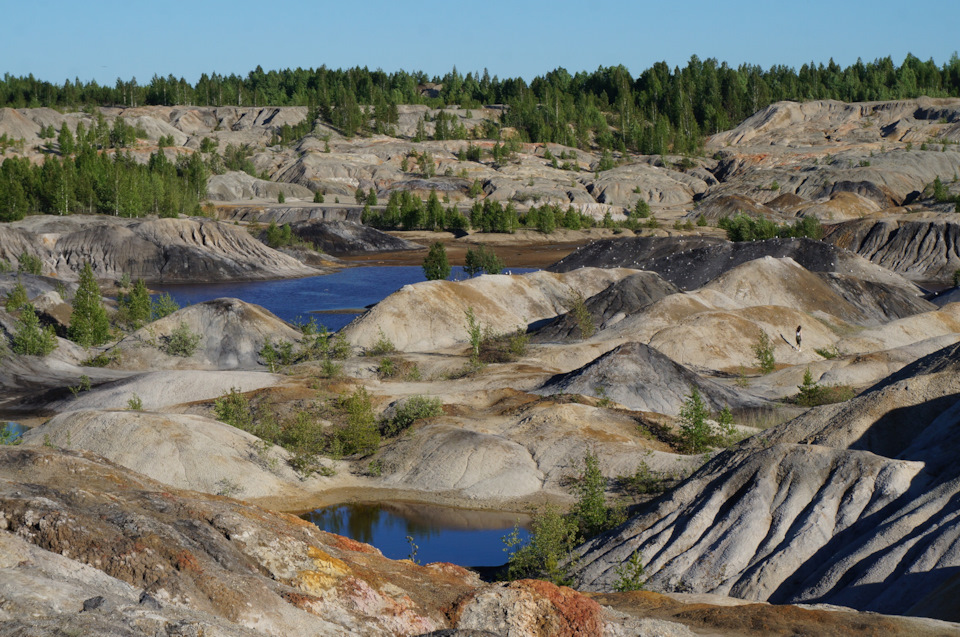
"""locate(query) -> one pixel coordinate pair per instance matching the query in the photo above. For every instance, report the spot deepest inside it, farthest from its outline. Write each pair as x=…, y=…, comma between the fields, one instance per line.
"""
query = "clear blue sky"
x=107, y=39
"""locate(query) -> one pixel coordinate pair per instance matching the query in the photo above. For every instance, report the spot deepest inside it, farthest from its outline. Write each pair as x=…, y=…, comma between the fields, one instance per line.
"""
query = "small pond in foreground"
x=441, y=534
x=333, y=299
x=10, y=431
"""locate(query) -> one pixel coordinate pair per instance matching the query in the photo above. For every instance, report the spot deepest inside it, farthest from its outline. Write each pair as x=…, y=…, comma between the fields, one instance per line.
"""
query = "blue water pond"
x=440, y=534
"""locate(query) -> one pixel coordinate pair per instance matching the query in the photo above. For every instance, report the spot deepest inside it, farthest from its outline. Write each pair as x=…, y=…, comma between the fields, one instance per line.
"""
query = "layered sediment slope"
x=851, y=504
x=921, y=246
x=156, y=250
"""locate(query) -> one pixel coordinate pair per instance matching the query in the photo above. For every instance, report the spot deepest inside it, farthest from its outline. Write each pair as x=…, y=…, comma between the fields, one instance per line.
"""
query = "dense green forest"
x=83, y=179
x=661, y=110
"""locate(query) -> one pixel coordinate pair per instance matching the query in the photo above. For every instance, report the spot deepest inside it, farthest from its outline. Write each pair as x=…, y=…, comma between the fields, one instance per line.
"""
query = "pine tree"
x=66, y=141
x=31, y=339
x=88, y=323
x=135, y=307
x=436, y=266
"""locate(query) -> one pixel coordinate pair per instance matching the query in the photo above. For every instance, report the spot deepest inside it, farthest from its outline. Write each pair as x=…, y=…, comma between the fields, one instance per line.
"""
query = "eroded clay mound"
x=167, y=250
x=851, y=504
x=476, y=465
x=641, y=378
x=432, y=315
x=164, y=389
x=692, y=262
x=180, y=450
x=231, y=335
x=621, y=300
x=345, y=238
x=920, y=246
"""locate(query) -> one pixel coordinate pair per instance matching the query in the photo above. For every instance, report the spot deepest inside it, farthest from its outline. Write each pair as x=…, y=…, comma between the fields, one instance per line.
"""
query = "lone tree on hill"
x=436, y=266
x=88, y=323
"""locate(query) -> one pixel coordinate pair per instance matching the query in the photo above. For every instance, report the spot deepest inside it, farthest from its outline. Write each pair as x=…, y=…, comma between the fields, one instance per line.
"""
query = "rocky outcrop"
x=640, y=378
x=262, y=572
x=923, y=247
x=661, y=186
x=850, y=504
x=345, y=238
x=156, y=250
x=239, y=186
x=811, y=123
x=282, y=214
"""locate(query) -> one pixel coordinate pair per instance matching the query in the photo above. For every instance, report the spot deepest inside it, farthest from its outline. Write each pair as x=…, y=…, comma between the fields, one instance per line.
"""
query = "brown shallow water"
x=519, y=255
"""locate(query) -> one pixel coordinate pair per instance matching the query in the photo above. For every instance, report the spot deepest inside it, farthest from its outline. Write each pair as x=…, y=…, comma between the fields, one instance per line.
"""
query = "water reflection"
x=442, y=534
x=11, y=431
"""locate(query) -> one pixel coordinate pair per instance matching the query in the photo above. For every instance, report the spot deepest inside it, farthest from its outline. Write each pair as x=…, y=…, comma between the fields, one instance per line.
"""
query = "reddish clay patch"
x=347, y=544
x=580, y=615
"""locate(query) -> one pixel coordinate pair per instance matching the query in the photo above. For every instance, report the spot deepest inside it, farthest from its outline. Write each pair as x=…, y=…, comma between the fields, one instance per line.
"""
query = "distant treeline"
x=660, y=111
x=89, y=177
x=407, y=212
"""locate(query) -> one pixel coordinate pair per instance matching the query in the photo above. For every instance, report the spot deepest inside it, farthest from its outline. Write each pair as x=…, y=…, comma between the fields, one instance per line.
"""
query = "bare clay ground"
x=523, y=249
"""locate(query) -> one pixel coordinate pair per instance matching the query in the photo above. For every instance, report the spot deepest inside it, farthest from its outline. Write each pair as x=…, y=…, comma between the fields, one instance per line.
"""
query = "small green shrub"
x=29, y=338
x=162, y=305
x=277, y=355
x=630, y=574
x=89, y=325
x=387, y=368
x=382, y=346
x=233, y=408
x=642, y=209
x=549, y=553
x=102, y=359
x=134, y=309
x=16, y=298
x=828, y=352
x=414, y=409
x=644, y=480
x=181, y=342
x=330, y=369
x=590, y=512
x=475, y=336
x=603, y=401
x=29, y=264
x=8, y=437
x=481, y=260
x=503, y=348
x=763, y=351
x=695, y=432
x=339, y=347
x=553, y=537
x=813, y=394
x=577, y=307
x=435, y=265
x=135, y=403
x=82, y=386
x=360, y=435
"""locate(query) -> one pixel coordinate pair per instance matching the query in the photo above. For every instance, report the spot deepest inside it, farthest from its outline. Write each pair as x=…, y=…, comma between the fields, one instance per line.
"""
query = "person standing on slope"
x=799, y=336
